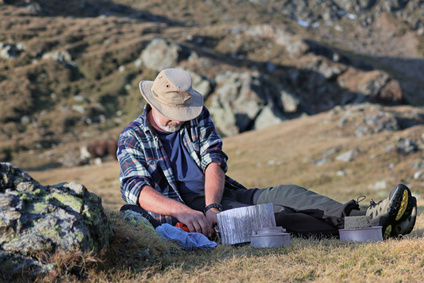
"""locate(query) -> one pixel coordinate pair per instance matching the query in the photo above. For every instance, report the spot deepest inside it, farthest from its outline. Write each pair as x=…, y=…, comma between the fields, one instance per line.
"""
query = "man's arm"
x=214, y=189
x=153, y=201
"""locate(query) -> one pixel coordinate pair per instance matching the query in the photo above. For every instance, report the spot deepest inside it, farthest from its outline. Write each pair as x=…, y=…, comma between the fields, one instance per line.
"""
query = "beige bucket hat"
x=172, y=95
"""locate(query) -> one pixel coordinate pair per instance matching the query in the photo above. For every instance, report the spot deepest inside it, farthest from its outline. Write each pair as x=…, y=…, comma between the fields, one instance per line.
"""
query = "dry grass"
x=306, y=260
x=281, y=154
x=291, y=146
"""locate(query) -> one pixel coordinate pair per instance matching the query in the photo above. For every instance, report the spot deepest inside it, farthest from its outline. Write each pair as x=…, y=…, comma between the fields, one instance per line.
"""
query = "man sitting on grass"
x=173, y=170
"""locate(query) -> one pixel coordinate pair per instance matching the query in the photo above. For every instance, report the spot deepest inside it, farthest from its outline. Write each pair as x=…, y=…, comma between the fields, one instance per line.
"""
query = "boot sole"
x=412, y=204
x=403, y=205
x=397, y=213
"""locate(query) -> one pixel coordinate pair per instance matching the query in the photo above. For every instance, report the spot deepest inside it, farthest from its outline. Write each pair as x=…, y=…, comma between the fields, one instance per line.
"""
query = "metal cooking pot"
x=270, y=237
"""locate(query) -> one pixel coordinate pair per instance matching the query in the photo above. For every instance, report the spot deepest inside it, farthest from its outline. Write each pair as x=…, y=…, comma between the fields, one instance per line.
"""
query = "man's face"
x=166, y=124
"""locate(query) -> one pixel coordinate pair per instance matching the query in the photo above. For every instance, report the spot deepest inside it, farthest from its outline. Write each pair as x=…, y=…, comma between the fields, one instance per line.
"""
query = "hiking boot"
x=391, y=211
x=406, y=226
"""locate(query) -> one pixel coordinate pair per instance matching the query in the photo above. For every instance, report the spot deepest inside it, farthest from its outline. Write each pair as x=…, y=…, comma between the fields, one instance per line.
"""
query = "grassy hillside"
x=70, y=76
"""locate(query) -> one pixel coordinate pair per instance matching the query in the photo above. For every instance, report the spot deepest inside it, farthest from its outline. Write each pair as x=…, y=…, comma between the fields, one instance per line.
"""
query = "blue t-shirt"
x=189, y=177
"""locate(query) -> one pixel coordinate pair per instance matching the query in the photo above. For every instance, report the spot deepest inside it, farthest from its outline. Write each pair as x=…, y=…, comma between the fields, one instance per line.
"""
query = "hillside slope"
x=70, y=76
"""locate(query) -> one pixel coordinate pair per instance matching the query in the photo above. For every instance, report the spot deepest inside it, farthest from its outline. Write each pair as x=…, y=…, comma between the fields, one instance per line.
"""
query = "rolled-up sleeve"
x=210, y=143
x=134, y=174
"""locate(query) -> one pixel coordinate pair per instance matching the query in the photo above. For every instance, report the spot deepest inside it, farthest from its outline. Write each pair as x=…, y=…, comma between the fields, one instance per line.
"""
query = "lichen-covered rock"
x=37, y=219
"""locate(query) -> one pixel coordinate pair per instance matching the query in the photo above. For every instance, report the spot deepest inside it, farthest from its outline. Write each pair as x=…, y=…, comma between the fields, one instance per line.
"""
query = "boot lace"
x=360, y=198
x=374, y=204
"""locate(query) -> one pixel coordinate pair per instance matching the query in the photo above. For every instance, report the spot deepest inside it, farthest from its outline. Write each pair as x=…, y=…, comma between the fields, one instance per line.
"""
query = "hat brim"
x=176, y=113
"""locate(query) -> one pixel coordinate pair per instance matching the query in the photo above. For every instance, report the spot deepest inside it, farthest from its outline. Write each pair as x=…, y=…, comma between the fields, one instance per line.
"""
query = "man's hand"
x=211, y=215
x=195, y=221
x=154, y=201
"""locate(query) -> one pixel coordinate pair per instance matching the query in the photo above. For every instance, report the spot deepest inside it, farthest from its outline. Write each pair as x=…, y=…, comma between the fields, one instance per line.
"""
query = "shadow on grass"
x=89, y=9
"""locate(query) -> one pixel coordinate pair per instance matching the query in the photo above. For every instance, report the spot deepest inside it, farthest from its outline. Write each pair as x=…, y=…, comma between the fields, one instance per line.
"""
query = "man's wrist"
x=213, y=210
x=213, y=205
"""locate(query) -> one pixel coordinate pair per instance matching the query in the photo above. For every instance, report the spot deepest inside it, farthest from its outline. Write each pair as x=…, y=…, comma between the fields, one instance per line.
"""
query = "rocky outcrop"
x=367, y=119
x=62, y=57
x=246, y=100
x=160, y=54
x=309, y=13
x=37, y=220
x=242, y=98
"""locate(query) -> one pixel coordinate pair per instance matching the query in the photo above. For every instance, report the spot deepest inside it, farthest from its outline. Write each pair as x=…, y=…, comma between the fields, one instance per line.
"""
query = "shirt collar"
x=145, y=121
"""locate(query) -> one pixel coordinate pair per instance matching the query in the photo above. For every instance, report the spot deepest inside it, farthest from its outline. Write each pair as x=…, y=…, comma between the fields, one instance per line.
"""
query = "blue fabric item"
x=190, y=179
x=186, y=240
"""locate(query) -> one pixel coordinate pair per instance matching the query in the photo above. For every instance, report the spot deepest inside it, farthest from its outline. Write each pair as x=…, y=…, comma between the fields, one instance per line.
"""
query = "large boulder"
x=37, y=220
x=240, y=98
x=160, y=54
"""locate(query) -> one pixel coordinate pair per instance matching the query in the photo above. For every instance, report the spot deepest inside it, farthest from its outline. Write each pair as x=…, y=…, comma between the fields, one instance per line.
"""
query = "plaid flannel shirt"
x=143, y=160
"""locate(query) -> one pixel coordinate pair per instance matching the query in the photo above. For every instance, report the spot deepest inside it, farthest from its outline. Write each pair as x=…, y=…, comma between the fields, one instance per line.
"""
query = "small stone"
x=322, y=161
x=348, y=156
x=418, y=175
x=356, y=222
x=341, y=173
